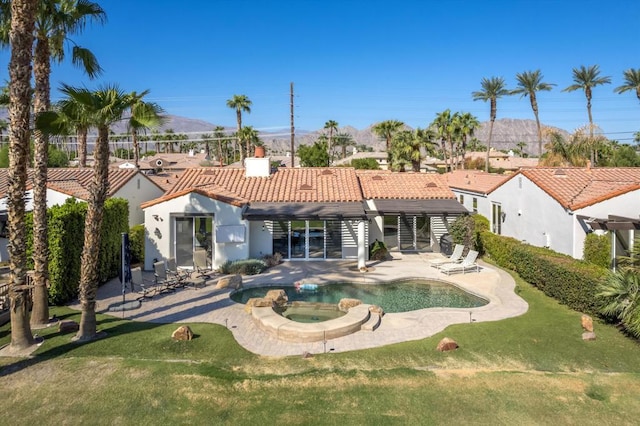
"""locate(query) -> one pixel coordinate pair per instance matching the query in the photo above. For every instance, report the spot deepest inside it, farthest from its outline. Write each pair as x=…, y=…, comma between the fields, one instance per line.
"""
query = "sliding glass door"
x=193, y=240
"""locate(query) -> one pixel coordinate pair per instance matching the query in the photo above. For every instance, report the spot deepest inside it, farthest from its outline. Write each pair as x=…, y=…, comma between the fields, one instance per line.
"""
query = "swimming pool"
x=396, y=296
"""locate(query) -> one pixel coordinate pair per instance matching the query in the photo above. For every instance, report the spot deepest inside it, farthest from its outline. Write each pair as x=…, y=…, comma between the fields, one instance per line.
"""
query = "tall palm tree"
x=465, y=125
x=104, y=106
x=492, y=89
x=21, y=35
x=331, y=126
x=144, y=115
x=240, y=103
x=219, y=135
x=407, y=147
x=344, y=140
x=77, y=120
x=631, y=82
x=385, y=130
x=586, y=78
x=443, y=127
x=249, y=136
x=530, y=82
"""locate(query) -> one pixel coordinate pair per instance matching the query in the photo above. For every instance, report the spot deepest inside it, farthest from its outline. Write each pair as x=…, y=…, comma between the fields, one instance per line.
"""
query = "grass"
x=533, y=369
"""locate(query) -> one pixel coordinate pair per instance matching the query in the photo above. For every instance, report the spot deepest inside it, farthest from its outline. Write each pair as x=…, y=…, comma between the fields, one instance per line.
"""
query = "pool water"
x=311, y=313
x=397, y=296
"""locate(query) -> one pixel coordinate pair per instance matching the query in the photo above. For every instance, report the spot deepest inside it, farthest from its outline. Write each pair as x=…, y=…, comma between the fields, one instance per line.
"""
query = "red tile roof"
x=575, y=188
x=475, y=180
x=384, y=184
x=71, y=181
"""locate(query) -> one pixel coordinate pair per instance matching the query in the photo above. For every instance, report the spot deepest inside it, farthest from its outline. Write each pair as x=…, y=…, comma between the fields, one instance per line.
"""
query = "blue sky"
x=360, y=62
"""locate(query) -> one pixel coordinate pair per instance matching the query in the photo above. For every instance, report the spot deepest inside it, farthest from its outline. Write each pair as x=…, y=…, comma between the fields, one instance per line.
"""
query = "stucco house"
x=556, y=207
x=302, y=213
x=473, y=189
x=64, y=183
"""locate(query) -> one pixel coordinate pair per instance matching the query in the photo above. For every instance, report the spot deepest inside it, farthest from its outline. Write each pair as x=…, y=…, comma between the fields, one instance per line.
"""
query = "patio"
x=214, y=306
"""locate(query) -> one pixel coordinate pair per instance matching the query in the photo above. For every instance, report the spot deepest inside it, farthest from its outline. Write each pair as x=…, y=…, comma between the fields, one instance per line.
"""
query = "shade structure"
x=304, y=211
x=419, y=207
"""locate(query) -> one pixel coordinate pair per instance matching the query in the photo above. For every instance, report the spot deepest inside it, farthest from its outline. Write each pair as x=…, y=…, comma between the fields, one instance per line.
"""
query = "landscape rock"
x=307, y=355
x=279, y=297
x=258, y=302
x=182, y=333
x=345, y=304
x=375, y=309
x=447, y=344
x=68, y=326
x=233, y=281
x=588, y=335
x=587, y=323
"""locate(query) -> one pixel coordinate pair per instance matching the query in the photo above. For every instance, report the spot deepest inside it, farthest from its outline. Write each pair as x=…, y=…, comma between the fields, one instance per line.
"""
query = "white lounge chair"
x=467, y=264
x=455, y=257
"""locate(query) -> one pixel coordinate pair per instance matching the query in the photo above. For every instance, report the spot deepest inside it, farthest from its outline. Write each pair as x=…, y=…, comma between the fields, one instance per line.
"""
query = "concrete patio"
x=208, y=305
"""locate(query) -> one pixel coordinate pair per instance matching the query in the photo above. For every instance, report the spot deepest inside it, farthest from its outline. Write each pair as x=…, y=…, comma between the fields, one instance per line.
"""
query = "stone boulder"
x=182, y=333
x=345, y=304
x=587, y=323
x=233, y=282
x=588, y=335
x=278, y=297
x=447, y=344
x=68, y=326
x=258, y=302
x=376, y=310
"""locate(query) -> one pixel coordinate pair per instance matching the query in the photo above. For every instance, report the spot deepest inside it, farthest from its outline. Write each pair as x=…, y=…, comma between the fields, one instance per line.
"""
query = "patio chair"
x=140, y=285
x=164, y=282
x=178, y=275
x=201, y=265
x=455, y=257
x=467, y=264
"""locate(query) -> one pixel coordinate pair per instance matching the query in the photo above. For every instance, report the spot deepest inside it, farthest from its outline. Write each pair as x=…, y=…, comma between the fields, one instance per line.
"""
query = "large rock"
x=278, y=297
x=376, y=310
x=345, y=304
x=587, y=323
x=233, y=281
x=258, y=302
x=68, y=326
x=588, y=335
x=447, y=344
x=182, y=333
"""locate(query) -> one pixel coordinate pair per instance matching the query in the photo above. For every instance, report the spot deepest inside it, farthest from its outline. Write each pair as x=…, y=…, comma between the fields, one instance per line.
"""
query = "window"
x=475, y=205
x=462, y=199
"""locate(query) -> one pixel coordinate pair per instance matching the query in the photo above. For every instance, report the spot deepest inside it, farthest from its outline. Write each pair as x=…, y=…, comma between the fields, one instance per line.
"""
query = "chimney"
x=588, y=166
x=257, y=167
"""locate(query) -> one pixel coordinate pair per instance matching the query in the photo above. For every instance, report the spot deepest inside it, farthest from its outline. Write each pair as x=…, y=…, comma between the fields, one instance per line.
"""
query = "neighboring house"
x=64, y=183
x=473, y=187
x=556, y=207
x=301, y=213
x=500, y=160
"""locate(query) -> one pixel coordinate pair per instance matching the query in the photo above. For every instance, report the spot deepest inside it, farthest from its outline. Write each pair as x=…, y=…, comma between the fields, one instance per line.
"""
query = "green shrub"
x=243, y=267
x=378, y=251
x=466, y=230
x=570, y=281
x=272, y=259
x=136, y=243
x=597, y=250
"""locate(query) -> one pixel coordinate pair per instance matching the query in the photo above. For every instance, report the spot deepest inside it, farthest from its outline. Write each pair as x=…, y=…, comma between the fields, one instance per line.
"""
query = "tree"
x=23, y=14
x=344, y=140
x=144, y=116
x=332, y=126
x=586, y=78
x=620, y=294
x=443, y=128
x=631, y=82
x=315, y=155
x=249, y=137
x=407, y=147
x=492, y=89
x=365, y=164
x=241, y=103
x=385, y=130
x=220, y=136
x=465, y=125
x=104, y=106
x=530, y=82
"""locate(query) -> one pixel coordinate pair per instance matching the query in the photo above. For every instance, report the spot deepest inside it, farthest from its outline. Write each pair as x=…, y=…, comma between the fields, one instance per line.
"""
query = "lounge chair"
x=139, y=285
x=455, y=257
x=467, y=264
x=202, y=266
x=164, y=282
x=179, y=275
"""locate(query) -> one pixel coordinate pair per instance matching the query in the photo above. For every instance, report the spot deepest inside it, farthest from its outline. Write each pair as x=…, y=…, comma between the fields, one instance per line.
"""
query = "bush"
x=572, y=282
x=272, y=259
x=597, y=250
x=378, y=251
x=136, y=243
x=243, y=267
x=466, y=230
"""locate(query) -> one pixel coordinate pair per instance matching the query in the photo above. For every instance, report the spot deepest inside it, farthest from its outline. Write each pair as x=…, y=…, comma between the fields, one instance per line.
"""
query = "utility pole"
x=293, y=132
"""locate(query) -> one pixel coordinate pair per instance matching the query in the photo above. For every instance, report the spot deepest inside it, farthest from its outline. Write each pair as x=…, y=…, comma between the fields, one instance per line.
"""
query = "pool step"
x=372, y=323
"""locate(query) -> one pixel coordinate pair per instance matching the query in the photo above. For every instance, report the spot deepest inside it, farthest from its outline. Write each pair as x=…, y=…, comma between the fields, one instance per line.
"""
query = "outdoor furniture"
x=164, y=282
x=201, y=264
x=455, y=257
x=467, y=264
x=141, y=285
x=179, y=275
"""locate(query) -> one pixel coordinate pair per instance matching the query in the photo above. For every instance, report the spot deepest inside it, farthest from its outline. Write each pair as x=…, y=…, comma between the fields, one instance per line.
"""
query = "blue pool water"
x=397, y=296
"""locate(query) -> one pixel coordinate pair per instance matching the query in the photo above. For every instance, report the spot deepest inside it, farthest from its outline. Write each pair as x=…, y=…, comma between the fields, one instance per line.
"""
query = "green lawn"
x=534, y=369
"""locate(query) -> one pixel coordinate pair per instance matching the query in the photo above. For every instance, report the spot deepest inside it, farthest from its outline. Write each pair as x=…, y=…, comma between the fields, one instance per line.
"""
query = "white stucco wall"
x=261, y=239
x=138, y=190
x=159, y=238
x=484, y=205
x=533, y=216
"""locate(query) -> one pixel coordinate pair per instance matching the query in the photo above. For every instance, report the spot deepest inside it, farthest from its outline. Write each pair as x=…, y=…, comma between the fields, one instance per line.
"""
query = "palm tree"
x=586, y=78
x=631, y=82
x=144, y=115
x=443, y=127
x=332, y=126
x=492, y=89
x=219, y=135
x=104, y=106
x=620, y=294
x=240, y=103
x=344, y=140
x=530, y=82
x=249, y=136
x=4, y=103
x=22, y=24
x=385, y=130
x=465, y=126
x=77, y=119
x=407, y=147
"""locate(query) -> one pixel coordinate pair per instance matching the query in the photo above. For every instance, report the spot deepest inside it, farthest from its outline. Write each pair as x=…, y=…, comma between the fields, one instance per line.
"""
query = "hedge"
x=572, y=282
x=66, y=238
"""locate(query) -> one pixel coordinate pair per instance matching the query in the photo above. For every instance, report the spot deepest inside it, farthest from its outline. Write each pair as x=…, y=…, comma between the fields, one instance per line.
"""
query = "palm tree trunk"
x=21, y=35
x=92, y=236
x=534, y=107
x=41, y=71
x=136, y=149
x=493, y=120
